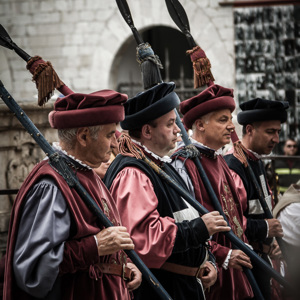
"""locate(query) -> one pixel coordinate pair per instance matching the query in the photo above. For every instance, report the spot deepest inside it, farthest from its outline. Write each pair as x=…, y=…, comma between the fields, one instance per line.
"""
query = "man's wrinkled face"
x=264, y=136
x=100, y=149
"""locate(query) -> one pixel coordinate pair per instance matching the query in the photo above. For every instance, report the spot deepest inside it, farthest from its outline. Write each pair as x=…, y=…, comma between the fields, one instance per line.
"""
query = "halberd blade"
x=178, y=14
x=5, y=39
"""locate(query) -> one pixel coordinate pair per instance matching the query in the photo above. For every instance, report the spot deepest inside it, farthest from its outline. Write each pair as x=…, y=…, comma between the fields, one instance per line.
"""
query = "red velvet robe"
x=231, y=284
x=79, y=281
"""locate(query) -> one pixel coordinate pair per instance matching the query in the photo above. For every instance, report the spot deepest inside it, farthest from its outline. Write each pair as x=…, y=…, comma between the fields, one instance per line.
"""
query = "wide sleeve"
x=220, y=252
x=154, y=236
x=79, y=255
x=44, y=226
x=255, y=229
x=289, y=218
x=178, y=165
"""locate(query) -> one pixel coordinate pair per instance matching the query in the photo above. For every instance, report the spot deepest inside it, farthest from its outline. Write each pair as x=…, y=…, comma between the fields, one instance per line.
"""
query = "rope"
x=144, y=52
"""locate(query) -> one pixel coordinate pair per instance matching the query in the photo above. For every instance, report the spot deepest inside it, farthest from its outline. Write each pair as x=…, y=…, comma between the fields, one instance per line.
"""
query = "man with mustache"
x=208, y=114
x=261, y=120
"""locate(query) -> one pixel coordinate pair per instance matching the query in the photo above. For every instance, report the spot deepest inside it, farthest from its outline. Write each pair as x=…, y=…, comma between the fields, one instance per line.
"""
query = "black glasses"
x=291, y=146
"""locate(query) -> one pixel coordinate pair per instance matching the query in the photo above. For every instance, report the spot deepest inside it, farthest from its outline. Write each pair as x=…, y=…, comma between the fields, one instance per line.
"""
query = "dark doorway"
x=170, y=45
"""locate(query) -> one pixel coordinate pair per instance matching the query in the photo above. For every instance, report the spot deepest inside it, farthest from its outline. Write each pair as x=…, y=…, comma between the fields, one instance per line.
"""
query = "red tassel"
x=201, y=66
x=45, y=78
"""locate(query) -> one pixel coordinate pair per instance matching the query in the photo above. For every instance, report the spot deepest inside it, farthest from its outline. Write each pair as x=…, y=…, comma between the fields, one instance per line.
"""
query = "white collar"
x=57, y=146
x=165, y=159
x=258, y=156
x=217, y=152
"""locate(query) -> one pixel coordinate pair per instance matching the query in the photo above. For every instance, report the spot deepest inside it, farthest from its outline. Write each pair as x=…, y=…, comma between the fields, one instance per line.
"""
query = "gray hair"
x=204, y=118
x=68, y=136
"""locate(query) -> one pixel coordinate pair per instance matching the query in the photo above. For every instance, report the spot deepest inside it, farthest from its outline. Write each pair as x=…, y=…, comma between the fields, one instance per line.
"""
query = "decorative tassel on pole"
x=150, y=65
x=201, y=66
x=45, y=78
x=149, y=62
x=44, y=75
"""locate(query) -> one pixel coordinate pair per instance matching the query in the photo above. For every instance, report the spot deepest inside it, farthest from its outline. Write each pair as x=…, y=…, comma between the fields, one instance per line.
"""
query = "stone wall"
x=18, y=154
x=81, y=38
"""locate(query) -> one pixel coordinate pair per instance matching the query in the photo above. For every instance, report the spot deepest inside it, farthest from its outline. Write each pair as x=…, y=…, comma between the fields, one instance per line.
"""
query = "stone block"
x=47, y=6
x=87, y=15
x=4, y=9
x=78, y=5
x=70, y=51
x=68, y=17
x=43, y=18
x=63, y=5
x=56, y=39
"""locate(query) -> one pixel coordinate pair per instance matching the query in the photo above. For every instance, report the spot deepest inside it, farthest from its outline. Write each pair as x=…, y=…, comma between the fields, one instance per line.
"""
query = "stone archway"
x=170, y=45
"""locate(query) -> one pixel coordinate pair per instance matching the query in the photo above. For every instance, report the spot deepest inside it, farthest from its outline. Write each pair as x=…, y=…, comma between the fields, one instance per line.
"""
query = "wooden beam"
x=245, y=3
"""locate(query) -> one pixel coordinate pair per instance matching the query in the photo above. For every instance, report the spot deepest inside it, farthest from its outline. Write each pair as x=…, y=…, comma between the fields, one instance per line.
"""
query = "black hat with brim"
x=149, y=105
x=257, y=110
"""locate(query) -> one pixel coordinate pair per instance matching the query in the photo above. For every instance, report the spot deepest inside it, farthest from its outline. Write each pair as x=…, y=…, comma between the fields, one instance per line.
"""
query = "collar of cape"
x=74, y=162
x=164, y=159
x=204, y=150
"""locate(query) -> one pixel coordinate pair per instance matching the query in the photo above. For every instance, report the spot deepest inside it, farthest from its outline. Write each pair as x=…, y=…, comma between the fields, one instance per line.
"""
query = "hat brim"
x=259, y=115
x=206, y=107
x=86, y=117
x=150, y=113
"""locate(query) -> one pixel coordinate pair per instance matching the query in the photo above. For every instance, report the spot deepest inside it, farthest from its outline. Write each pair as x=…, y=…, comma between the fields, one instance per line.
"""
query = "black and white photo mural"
x=267, y=57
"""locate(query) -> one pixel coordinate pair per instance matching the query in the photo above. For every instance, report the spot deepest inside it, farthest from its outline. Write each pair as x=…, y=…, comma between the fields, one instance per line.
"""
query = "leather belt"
x=182, y=270
x=114, y=269
x=262, y=248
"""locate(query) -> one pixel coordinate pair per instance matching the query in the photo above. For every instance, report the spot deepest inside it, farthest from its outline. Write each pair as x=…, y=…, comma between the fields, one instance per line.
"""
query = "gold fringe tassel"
x=239, y=152
x=45, y=78
x=201, y=66
x=128, y=148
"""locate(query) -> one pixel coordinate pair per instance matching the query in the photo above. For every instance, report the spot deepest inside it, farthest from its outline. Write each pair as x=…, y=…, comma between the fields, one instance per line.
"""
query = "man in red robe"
x=56, y=247
x=169, y=235
x=208, y=114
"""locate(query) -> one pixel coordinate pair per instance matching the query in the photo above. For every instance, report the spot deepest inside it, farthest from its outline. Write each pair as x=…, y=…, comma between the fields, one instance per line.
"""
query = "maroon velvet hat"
x=80, y=110
x=211, y=99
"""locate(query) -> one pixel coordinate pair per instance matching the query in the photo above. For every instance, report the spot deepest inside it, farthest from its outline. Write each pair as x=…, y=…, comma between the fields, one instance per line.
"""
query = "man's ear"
x=83, y=135
x=249, y=129
x=200, y=125
x=146, y=132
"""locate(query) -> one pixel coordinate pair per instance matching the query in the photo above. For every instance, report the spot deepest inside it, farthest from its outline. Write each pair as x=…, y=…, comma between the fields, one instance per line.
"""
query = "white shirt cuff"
x=96, y=240
x=267, y=229
x=226, y=262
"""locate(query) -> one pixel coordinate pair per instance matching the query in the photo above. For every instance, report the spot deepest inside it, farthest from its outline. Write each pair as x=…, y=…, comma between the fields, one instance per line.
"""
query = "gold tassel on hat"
x=201, y=66
x=45, y=78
